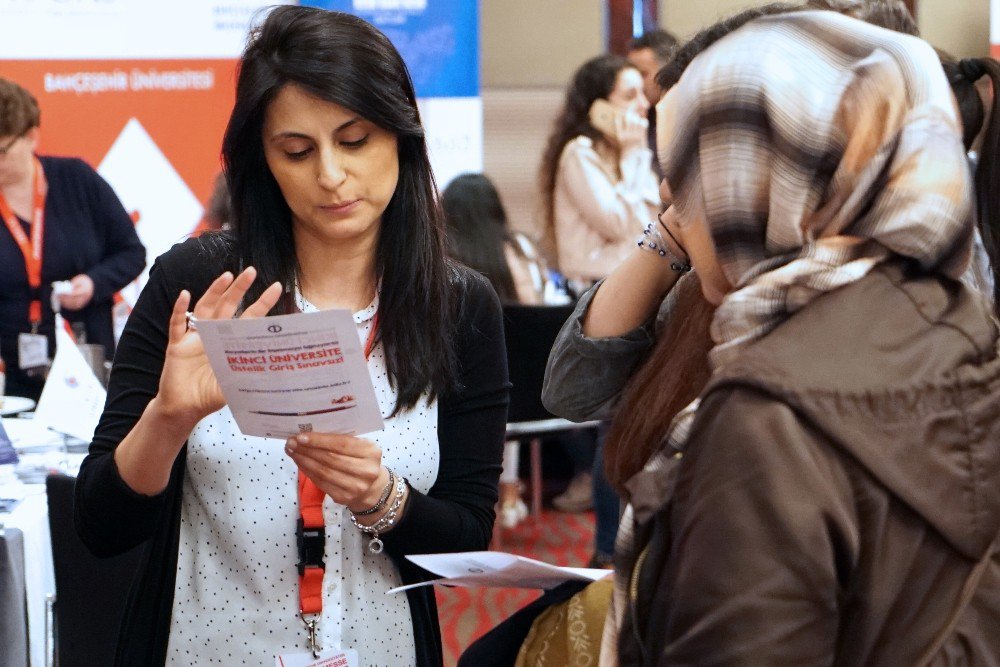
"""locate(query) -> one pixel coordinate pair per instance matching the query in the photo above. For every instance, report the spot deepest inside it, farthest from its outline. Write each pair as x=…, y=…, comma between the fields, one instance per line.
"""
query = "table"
x=12, y=405
x=40, y=450
x=31, y=519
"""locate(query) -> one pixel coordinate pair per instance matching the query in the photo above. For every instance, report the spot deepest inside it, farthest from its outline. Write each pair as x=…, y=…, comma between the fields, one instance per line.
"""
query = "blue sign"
x=438, y=39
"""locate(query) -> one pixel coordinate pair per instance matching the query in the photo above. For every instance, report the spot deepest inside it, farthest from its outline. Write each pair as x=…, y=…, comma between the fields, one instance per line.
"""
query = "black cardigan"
x=455, y=515
x=86, y=231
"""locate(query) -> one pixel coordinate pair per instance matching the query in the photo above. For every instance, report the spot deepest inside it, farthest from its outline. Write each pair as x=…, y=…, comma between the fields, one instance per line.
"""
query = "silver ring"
x=192, y=321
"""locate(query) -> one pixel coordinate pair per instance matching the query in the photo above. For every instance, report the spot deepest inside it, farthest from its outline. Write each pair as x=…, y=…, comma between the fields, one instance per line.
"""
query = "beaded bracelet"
x=383, y=499
x=387, y=521
x=652, y=240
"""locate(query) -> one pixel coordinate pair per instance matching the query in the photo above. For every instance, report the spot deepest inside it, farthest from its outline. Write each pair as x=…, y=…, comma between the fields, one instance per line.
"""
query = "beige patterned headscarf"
x=814, y=147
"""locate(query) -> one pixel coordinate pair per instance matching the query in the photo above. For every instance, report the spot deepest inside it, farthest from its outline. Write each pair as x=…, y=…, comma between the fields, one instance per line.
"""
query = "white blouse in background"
x=236, y=592
x=598, y=215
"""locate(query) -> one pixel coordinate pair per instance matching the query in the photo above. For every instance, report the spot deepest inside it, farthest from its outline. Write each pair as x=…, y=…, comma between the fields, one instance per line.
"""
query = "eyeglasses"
x=10, y=144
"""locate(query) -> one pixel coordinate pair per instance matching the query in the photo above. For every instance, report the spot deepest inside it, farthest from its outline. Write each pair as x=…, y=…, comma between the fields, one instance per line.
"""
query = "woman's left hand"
x=83, y=292
x=347, y=468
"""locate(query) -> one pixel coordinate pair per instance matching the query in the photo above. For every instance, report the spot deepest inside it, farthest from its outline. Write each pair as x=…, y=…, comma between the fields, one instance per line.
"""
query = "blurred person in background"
x=599, y=192
x=62, y=222
x=974, y=82
x=648, y=54
x=218, y=213
x=597, y=183
x=479, y=236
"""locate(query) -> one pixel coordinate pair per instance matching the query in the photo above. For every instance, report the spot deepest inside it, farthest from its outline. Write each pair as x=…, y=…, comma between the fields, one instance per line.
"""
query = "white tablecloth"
x=39, y=450
x=32, y=519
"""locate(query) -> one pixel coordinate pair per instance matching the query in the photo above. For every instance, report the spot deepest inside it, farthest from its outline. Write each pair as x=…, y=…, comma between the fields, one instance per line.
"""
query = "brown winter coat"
x=840, y=485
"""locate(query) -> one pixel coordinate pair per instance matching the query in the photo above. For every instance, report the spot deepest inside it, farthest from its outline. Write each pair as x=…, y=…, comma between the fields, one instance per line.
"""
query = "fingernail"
x=302, y=439
x=290, y=445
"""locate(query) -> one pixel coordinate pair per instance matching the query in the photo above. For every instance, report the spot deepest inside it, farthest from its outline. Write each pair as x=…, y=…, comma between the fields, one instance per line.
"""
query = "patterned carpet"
x=467, y=613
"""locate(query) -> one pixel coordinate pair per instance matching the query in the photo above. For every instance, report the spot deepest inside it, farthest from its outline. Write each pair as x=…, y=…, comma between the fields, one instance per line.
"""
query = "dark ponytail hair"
x=962, y=75
x=342, y=59
x=477, y=234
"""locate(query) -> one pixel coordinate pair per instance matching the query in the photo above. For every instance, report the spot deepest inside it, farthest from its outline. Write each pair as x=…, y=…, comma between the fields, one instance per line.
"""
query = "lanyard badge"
x=310, y=539
x=31, y=248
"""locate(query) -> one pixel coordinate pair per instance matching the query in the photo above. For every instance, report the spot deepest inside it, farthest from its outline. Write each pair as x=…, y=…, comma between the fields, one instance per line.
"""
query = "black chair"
x=530, y=332
x=90, y=591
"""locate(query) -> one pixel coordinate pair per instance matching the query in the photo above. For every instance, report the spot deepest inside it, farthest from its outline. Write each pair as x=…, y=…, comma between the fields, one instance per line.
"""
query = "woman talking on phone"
x=598, y=186
x=334, y=206
x=599, y=192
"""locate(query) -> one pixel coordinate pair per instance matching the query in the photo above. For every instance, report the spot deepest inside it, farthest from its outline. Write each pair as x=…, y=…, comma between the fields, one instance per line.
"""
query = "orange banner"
x=182, y=104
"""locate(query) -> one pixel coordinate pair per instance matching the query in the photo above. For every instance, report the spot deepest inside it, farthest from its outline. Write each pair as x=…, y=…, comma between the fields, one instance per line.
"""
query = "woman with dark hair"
x=333, y=207
x=479, y=237
x=598, y=186
x=599, y=191
x=974, y=82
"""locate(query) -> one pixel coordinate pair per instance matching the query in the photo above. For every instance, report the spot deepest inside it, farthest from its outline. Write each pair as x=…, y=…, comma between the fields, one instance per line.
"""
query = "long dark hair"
x=962, y=75
x=476, y=230
x=674, y=374
x=342, y=59
x=593, y=80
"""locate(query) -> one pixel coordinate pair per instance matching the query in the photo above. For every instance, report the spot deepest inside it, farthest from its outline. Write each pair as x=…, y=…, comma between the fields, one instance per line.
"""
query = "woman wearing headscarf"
x=831, y=498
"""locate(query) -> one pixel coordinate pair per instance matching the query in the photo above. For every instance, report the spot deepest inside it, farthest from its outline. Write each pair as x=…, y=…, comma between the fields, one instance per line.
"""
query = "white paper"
x=73, y=398
x=293, y=374
x=27, y=434
x=497, y=569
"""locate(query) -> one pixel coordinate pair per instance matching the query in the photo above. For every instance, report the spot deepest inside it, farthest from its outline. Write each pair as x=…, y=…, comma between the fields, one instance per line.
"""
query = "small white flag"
x=73, y=398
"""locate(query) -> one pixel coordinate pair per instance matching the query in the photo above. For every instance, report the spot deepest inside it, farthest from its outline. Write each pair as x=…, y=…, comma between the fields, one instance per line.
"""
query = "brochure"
x=291, y=374
x=498, y=570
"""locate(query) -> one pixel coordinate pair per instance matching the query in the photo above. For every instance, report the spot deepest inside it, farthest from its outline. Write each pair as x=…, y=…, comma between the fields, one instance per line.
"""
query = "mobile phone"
x=604, y=116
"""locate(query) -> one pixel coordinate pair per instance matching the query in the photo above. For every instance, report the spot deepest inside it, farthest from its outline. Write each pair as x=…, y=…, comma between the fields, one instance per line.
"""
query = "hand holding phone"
x=624, y=128
x=604, y=116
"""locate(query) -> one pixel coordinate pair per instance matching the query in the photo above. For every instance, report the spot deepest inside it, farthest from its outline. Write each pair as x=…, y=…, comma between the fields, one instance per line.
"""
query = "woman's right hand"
x=188, y=388
x=631, y=130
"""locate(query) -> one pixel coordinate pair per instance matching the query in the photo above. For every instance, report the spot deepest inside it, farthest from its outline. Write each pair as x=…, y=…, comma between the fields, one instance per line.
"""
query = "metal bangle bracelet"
x=652, y=240
x=383, y=499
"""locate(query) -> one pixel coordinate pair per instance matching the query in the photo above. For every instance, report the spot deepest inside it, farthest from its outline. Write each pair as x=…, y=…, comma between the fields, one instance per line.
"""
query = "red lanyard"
x=30, y=248
x=311, y=529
